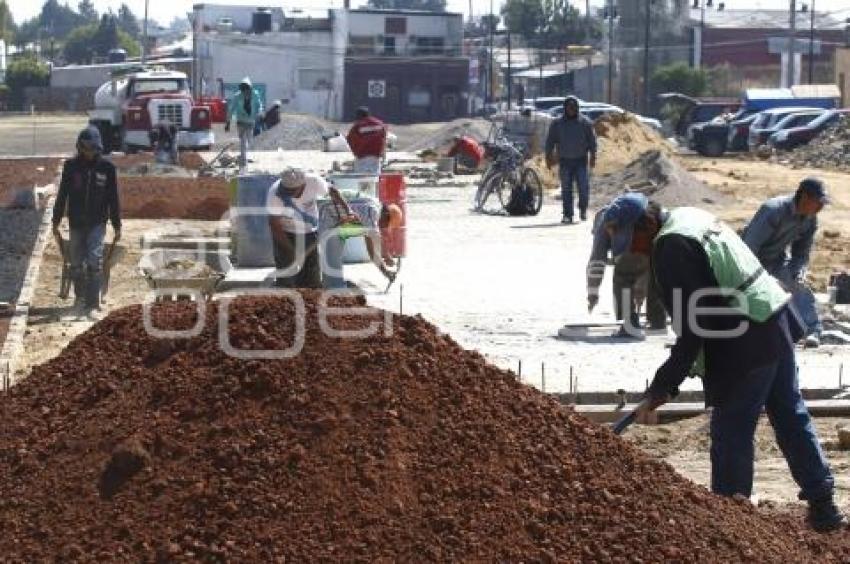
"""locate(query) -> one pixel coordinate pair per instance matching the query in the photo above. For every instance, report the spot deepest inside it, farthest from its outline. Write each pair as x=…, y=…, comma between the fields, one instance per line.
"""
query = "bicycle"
x=507, y=171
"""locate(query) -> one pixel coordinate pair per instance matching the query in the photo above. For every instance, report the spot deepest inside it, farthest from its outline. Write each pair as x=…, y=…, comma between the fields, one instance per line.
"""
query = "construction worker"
x=367, y=139
x=88, y=191
x=575, y=139
x=163, y=139
x=373, y=220
x=246, y=106
x=790, y=223
x=292, y=204
x=468, y=153
x=735, y=330
x=633, y=282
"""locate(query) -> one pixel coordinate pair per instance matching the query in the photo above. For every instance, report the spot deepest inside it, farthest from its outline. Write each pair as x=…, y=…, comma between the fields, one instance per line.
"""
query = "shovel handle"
x=623, y=423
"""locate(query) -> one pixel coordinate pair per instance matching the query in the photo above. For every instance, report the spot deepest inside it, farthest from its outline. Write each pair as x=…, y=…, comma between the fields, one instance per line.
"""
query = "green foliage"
x=550, y=24
x=87, y=11
x=7, y=23
x=90, y=41
x=24, y=72
x=680, y=77
x=55, y=21
x=127, y=21
x=428, y=5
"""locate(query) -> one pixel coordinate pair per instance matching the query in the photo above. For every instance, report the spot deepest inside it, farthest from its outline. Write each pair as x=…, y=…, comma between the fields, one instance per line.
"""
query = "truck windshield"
x=155, y=86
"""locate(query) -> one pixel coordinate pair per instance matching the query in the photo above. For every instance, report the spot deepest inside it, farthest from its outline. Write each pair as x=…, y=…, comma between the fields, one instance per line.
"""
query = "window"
x=395, y=26
x=389, y=46
x=156, y=86
x=430, y=45
x=361, y=45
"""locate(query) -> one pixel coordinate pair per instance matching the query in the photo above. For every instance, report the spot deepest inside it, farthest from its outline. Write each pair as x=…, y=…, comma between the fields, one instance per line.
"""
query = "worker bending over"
x=745, y=355
x=789, y=223
x=633, y=282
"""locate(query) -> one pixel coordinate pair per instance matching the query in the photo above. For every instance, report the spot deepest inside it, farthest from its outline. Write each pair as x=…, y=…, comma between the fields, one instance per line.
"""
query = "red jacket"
x=469, y=147
x=367, y=137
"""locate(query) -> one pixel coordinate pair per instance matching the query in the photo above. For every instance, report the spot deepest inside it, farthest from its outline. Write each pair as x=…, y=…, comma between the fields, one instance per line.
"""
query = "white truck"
x=132, y=103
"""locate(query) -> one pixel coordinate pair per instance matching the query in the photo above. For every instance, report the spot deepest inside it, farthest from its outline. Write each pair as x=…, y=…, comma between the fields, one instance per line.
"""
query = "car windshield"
x=760, y=120
x=161, y=85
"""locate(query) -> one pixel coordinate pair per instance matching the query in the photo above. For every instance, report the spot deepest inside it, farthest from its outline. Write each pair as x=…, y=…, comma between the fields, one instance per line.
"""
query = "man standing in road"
x=292, y=204
x=633, y=280
x=367, y=139
x=89, y=191
x=790, y=223
x=575, y=139
x=246, y=106
x=736, y=331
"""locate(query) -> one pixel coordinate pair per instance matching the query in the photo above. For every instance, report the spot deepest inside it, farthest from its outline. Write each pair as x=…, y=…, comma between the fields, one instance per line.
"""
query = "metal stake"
x=543, y=377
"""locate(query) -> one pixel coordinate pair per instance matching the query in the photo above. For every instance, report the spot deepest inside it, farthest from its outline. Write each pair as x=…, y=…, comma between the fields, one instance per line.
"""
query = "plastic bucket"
x=392, y=189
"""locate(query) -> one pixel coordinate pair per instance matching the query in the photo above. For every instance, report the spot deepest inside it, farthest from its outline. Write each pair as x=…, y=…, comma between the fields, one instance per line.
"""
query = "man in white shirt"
x=293, y=209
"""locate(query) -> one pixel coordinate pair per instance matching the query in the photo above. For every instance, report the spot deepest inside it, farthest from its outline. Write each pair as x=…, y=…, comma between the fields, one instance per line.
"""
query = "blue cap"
x=90, y=138
x=815, y=188
x=623, y=213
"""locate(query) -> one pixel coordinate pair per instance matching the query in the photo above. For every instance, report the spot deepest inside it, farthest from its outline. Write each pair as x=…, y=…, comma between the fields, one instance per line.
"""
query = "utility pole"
x=590, y=55
x=698, y=54
x=510, y=72
x=490, y=77
x=646, y=102
x=145, y=35
x=791, y=43
x=812, y=45
x=610, y=16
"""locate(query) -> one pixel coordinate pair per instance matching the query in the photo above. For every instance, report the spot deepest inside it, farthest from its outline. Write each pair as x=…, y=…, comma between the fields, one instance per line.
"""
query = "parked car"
x=788, y=139
x=739, y=132
x=548, y=103
x=595, y=110
x=769, y=122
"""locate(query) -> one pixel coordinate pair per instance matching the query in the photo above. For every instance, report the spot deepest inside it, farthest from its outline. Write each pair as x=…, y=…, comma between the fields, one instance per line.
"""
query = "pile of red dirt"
x=18, y=175
x=203, y=198
x=401, y=447
x=187, y=159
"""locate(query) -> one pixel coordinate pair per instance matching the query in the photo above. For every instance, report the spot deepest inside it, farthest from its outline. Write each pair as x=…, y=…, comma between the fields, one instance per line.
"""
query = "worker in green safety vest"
x=737, y=330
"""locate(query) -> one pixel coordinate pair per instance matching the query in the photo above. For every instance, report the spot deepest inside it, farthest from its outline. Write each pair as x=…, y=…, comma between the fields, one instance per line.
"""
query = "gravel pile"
x=402, y=447
x=831, y=149
x=296, y=132
x=658, y=176
x=622, y=139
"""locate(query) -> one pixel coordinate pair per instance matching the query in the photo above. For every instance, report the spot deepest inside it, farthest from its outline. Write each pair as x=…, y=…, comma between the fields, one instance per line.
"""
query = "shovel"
x=65, y=280
x=623, y=423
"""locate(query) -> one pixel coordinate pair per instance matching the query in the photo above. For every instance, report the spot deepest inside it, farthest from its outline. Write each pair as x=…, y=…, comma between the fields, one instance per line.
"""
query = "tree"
x=427, y=5
x=23, y=72
x=549, y=24
x=87, y=11
x=127, y=21
x=680, y=77
x=7, y=23
x=54, y=21
x=78, y=48
x=96, y=40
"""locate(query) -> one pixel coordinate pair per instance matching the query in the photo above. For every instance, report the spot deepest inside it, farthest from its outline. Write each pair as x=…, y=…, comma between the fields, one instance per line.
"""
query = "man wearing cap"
x=292, y=204
x=575, y=139
x=88, y=191
x=632, y=282
x=367, y=139
x=789, y=223
x=736, y=331
x=246, y=106
x=468, y=152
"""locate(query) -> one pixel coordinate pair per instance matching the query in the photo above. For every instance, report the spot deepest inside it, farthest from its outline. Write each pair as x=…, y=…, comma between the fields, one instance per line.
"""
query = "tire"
x=504, y=188
x=106, y=133
x=712, y=148
x=482, y=193
x=531, y=180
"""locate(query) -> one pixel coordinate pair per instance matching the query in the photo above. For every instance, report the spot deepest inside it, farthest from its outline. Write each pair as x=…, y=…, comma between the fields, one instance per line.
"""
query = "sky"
x=164, y=11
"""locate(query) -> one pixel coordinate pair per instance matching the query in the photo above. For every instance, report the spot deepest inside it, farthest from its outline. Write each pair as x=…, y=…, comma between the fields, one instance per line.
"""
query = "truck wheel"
x=106, y=133
x=712, y=148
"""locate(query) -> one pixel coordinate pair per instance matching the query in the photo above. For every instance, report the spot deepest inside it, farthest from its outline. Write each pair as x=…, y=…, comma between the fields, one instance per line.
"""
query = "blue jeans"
x=86, y=263
x=733, y=424
x=802, y=298
x=574, y=170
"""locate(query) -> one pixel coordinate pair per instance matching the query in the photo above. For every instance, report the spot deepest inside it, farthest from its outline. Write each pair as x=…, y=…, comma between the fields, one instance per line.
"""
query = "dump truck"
x=137, y=99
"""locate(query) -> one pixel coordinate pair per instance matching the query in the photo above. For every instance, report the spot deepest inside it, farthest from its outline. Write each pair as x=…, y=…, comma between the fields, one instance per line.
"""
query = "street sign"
x=377, y=88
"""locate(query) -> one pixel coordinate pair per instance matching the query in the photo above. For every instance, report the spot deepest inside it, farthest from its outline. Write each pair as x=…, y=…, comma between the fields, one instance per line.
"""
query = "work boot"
x=566, y=220
x=824, y=516
x=583, y=215
x=812, y=341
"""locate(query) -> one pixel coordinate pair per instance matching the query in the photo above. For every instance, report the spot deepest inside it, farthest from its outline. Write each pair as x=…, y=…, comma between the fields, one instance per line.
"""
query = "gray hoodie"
x=575, y=138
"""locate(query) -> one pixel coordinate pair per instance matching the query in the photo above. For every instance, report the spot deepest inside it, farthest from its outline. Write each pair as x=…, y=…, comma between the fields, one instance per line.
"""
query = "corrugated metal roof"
x=762, y=19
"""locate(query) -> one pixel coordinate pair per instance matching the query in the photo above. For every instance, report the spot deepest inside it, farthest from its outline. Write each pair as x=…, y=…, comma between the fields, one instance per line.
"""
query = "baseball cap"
x=815, y=188
x=292, y=178
x=623, y=213
x=90, y=139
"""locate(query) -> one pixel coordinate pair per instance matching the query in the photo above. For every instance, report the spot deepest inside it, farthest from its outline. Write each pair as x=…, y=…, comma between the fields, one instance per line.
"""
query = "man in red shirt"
x=368, y=141
x=468, y=152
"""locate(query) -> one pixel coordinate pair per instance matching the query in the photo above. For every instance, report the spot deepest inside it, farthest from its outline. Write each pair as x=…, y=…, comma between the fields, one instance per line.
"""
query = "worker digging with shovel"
x=88, y=192
x=743, y=348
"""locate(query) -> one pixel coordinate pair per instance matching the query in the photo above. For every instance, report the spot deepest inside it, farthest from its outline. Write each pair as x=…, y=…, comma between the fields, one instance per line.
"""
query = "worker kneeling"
x=633, y=282
x=744, y=354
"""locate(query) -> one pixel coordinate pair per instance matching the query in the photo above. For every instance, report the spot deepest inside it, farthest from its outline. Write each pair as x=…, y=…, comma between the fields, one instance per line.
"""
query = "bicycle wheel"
x=483, y=191
x=531, y=181
x=505, y=187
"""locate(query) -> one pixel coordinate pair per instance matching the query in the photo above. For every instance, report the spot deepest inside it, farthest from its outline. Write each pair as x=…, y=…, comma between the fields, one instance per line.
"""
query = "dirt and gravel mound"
x=831, y=149
x=622, y=139
x=403, y=447
x=439, y=137
x=661, y=178
x=296, y=132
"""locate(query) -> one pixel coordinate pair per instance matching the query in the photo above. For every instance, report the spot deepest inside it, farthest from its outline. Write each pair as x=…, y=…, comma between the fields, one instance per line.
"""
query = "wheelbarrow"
x=111, y=256
x=199, y=275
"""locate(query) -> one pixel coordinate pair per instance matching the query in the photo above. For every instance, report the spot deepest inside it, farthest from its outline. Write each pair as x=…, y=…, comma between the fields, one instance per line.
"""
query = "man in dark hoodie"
x=575, y=138
x=89, y=191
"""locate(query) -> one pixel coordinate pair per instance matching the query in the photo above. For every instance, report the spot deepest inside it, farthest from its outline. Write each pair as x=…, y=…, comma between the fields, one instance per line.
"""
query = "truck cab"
x=130, y=105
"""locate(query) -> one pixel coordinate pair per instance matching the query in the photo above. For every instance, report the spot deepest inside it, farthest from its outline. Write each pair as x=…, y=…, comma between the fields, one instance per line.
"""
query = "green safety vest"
x=752, y=291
